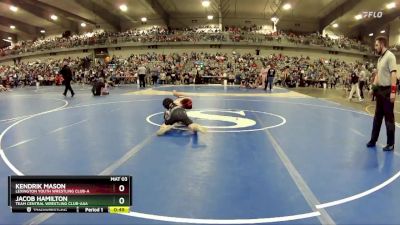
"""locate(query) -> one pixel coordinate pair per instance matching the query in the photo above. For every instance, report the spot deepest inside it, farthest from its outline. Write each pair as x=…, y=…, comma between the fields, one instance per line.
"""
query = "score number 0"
x=121, y=188
x=121, y=200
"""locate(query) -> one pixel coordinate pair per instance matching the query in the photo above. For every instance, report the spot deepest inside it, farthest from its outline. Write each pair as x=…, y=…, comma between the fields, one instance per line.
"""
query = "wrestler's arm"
x=178, y=94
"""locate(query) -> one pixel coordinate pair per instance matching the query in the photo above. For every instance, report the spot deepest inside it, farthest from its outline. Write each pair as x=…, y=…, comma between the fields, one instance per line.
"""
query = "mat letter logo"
x=238, y=121
x=228, y=120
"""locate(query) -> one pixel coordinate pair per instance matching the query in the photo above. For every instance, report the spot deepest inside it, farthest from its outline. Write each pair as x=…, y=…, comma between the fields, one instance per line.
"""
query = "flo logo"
x=227, y=120
x=372, y=14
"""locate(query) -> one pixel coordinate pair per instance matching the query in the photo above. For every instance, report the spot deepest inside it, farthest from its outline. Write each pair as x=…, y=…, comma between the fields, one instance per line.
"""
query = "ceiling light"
x=9, y=38
x=13, y=8
x=205, y=3
x=83, y=24
x=287, y=6
x=335, y=25
x=123, y=8
x=391, y=5
x=12, y=27
x=143, y=19
x=274, y=19
x=358, y=17
x=383, y=31
x=42, y=31
x=210, y=17
x=54, y=17
x=371, y=34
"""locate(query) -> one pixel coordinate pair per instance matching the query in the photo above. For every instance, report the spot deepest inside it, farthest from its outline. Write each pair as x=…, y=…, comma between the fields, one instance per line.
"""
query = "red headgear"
x=186, y=103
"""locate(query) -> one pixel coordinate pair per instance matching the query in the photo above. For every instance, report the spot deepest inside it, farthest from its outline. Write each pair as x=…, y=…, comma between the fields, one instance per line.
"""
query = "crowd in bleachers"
x=395, y=48
x=314, y=39
x=194, y=34
x=186, y=68
x=302, y=71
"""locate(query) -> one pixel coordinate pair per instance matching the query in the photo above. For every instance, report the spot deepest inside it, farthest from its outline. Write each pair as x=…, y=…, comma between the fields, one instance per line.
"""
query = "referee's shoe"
x=388, y=148
x=372, y=144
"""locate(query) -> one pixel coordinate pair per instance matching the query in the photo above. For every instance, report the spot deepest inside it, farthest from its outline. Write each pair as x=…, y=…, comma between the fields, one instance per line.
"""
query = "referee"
x=67, y=75
x=384, y=87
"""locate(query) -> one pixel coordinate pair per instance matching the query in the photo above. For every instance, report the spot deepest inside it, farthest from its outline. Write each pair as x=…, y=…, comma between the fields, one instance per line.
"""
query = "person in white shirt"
x=39, y=80
x=354, y=79
x=142, y=74
x=86, y=76
x=263, y=74
x=163, y=77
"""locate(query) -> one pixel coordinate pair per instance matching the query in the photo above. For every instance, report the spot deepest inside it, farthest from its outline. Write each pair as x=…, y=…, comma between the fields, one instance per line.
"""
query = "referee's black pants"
x=68, y=88
x=384, y=109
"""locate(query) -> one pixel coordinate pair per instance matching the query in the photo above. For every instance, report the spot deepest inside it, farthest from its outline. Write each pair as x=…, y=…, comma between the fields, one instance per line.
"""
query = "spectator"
x=2, y=88
x=362, y=81
x=142, y=74
x=354, y=79
x=270, y=78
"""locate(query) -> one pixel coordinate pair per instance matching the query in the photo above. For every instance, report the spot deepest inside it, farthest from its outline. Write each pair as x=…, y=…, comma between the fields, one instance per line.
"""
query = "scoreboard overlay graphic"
x=70, y=194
